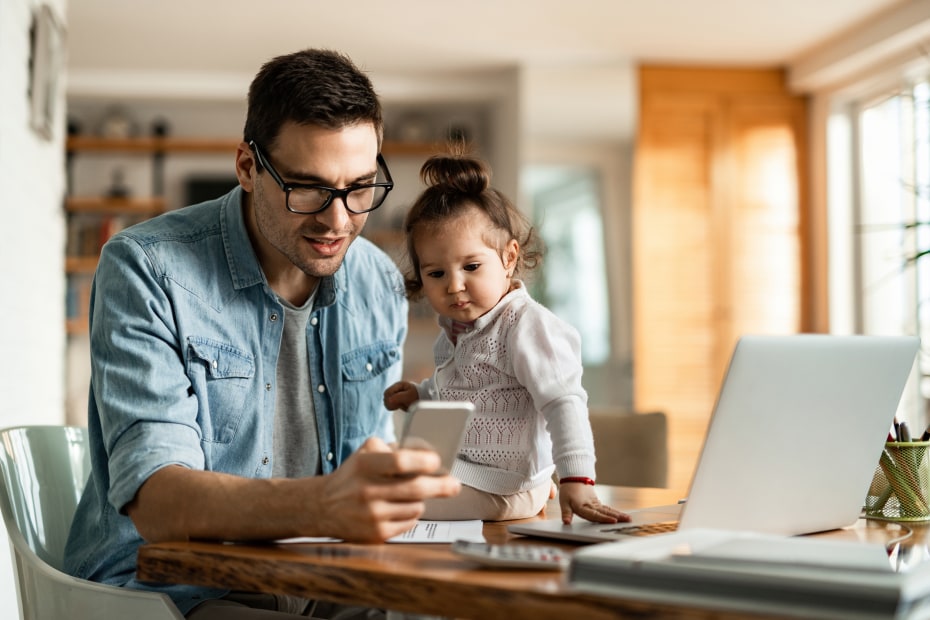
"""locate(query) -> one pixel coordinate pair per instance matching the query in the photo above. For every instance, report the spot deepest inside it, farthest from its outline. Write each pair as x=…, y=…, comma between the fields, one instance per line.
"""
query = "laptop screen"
x=794, y=438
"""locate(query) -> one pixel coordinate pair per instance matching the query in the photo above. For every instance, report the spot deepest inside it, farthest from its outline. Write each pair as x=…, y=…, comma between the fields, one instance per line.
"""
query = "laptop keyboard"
x=645, y=529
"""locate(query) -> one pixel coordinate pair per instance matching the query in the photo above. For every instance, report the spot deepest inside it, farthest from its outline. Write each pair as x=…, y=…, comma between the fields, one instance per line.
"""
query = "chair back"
x=44, y=470
x=631, y=448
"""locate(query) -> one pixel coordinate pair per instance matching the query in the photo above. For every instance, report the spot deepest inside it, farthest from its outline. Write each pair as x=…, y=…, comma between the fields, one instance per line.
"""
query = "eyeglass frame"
x=334, y=192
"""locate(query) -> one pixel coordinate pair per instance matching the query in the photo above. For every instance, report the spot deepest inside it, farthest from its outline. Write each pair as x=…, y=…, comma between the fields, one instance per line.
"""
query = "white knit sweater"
x=521, y=367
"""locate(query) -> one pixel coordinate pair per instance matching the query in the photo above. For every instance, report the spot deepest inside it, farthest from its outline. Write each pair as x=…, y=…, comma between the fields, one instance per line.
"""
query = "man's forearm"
x=177, y=503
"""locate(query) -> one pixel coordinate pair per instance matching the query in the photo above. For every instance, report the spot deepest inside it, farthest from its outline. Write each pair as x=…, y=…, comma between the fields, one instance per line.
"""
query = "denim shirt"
x=185, y=333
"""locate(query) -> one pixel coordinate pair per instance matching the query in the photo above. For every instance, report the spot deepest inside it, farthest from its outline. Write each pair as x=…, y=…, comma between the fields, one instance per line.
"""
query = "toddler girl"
x=516, y=361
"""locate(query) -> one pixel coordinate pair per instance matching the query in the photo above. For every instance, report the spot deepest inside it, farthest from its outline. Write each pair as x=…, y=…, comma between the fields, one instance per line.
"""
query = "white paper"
x=442, y=532
x=422, y=532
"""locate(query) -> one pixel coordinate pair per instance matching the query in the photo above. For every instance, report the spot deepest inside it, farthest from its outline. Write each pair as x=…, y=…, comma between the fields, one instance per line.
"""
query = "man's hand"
x=378, y=493
x=580, y=499
x=400, y=395
x=375, y=494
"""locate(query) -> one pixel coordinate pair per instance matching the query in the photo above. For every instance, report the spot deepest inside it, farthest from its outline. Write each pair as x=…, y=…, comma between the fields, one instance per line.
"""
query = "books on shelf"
x=77, y=296
x=87, y=234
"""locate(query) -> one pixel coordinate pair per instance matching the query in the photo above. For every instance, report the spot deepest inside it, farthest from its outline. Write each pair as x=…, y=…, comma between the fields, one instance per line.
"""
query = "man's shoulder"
x=370, y=275
x=365, y=259
x=185, y=243
x=186, y=223
x=363, y=249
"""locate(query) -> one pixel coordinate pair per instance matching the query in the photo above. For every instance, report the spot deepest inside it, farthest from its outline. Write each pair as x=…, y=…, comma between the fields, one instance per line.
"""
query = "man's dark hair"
x=309, y=87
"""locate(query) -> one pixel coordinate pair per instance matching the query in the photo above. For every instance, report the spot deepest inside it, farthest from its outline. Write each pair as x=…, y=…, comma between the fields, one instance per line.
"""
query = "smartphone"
x=437, y=425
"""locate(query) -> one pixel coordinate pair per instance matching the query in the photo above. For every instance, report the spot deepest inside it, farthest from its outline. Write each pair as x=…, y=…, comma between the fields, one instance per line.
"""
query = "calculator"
x=514, y=555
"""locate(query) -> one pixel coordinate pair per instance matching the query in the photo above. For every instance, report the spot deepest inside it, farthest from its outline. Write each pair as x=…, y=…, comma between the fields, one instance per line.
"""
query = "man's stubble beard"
x=287, y=243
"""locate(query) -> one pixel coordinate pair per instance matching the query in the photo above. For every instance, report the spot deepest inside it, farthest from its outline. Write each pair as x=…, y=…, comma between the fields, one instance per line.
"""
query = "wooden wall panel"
x=717, y=235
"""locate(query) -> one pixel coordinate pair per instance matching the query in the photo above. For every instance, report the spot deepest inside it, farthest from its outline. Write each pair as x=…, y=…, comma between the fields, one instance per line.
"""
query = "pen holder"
x=900, y=489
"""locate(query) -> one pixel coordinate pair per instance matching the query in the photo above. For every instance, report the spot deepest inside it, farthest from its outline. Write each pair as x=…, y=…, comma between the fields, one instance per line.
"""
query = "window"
x=573, y=280
x=890, y=220
x=578, y=197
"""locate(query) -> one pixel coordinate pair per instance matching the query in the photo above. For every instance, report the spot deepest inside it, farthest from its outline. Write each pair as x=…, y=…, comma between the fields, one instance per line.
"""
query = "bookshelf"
x=149, y=145
x=92, y=219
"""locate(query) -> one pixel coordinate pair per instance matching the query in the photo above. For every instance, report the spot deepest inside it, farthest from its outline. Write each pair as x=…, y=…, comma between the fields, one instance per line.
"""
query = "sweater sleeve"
x=546, y=356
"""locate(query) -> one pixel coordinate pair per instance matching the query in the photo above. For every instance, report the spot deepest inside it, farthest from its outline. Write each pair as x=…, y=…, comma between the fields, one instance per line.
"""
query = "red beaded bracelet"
x=581, y=479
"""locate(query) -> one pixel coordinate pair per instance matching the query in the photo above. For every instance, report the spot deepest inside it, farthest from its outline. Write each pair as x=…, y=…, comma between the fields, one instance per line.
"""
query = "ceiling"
x=576, y=58
x=232, y=36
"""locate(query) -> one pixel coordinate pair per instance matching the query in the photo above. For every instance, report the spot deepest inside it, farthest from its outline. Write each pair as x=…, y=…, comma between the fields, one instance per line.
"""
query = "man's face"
x=314, y=244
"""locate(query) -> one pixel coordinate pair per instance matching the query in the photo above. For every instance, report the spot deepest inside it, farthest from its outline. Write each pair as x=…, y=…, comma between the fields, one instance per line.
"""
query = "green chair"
x=44, y=470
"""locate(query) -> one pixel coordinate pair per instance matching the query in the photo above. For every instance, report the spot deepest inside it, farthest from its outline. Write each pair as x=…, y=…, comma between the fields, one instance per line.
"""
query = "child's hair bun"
x=456, y=173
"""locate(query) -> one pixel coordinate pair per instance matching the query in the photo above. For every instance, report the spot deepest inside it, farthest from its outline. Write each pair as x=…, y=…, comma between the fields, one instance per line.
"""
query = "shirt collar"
x=244, y=267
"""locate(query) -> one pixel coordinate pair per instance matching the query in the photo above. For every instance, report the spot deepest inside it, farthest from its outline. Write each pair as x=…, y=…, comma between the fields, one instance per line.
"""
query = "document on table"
x=441, y=532
x=422, y=532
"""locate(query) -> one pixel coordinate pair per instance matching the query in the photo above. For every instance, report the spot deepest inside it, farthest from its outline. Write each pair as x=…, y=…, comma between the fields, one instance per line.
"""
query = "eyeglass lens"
x=358, y=200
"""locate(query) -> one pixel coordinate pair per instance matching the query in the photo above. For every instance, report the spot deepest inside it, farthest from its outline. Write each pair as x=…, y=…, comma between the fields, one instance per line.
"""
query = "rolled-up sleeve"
x=148, y=414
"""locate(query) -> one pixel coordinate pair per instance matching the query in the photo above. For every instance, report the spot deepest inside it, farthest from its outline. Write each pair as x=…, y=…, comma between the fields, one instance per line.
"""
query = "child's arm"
x=400, y=395
x=580, y=499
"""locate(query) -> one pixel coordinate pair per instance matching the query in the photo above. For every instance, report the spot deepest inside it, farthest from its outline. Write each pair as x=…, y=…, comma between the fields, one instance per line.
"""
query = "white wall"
x=32, y=338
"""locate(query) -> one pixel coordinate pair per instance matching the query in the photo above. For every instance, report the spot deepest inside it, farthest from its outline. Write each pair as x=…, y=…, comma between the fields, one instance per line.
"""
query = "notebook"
x=795, y=435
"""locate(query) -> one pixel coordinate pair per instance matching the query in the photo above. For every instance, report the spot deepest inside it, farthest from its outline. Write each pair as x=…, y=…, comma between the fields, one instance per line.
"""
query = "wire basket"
x=900, y=489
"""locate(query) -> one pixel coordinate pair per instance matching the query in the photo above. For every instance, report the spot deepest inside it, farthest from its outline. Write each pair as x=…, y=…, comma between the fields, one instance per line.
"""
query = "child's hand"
x=580, y=499
x=400, y=395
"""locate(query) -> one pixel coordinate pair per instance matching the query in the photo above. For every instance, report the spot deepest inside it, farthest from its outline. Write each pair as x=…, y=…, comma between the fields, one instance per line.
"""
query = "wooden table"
x=422, y=578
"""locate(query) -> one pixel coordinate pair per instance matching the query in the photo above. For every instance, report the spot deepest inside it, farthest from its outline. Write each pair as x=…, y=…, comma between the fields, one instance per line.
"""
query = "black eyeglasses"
x=305, y=198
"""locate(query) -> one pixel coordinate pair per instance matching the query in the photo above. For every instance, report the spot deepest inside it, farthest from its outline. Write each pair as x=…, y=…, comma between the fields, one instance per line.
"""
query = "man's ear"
x=246, y=167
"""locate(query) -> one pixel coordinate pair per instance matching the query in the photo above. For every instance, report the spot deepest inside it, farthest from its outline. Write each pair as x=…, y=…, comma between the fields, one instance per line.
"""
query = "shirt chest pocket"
x=364, y=376
x=221, y=376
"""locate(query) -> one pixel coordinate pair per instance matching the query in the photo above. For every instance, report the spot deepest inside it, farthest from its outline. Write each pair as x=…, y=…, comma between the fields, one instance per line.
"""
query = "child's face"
x=463, y=276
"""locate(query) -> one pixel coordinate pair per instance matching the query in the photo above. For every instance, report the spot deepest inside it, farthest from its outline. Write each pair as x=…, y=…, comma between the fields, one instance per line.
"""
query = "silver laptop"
x=792, y=444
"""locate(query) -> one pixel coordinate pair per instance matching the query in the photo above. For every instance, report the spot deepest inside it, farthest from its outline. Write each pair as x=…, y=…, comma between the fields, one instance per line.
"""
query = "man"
x=240, y=349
